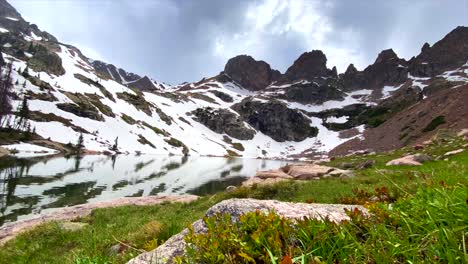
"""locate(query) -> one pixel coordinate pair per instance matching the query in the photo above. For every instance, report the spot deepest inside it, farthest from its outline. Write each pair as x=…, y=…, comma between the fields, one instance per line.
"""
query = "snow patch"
x=24, y=150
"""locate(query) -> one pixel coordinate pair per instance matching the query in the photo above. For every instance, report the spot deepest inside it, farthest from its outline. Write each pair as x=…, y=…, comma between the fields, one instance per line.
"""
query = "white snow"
x=23, y=150
x=339, y=120
x=35, y=37
x=4, y=30
x=12, y=18
x=387, y=90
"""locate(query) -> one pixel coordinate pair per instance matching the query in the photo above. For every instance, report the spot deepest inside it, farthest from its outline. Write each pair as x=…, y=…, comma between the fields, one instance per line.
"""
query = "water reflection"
x=32, y=186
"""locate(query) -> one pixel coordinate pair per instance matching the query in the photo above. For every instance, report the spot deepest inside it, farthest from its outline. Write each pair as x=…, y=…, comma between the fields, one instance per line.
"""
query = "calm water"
x=32, y=186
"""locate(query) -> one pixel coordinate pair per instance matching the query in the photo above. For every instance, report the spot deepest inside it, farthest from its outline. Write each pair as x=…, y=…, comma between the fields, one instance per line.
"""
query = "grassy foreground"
x=429, y=205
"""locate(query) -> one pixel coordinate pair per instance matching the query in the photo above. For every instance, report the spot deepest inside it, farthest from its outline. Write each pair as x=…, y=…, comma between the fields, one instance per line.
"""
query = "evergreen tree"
x=31, y=48
x=19, y=70
x=17, y=82
x=23, y=114
x=115, y=147
x=5, y=94
x=24, y=84
x=26, y=72
x=80, y=144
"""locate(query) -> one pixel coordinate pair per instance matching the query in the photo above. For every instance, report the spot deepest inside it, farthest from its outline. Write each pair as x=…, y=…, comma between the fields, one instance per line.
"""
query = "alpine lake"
x=31, y=186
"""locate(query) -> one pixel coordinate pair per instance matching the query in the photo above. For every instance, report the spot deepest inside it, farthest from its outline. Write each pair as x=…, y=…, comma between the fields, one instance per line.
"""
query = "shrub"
x=428, y=227
x=439, y=120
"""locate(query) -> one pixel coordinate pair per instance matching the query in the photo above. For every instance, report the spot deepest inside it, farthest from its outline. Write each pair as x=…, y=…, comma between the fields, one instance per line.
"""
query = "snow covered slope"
x=248, y=110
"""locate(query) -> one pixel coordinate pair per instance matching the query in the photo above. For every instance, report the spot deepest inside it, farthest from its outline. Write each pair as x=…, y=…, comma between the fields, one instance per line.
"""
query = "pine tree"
x=80, y=144
x=31, y=48
x=26, y=72
x=5, y=94
x=115, y=146
x=24, y=84
x=23, y=114
x=19, y=70
x=17, y=82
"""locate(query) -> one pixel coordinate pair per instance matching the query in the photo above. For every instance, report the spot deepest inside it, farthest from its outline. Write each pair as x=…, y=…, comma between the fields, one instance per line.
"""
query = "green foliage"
x=128, y=119
x=439, y=120
x=245, y=241
x=178, y=144
x=429, y=226
x=435, y=235
x=238, y=146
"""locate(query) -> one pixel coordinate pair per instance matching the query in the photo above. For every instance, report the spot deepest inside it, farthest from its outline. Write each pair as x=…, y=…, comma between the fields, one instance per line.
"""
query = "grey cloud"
x=175, y=41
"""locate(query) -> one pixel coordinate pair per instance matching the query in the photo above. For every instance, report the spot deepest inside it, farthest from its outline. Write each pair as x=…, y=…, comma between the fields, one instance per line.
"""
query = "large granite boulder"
x=276, y=120
x=251, y=74
x=175, y=246
x=223, y=121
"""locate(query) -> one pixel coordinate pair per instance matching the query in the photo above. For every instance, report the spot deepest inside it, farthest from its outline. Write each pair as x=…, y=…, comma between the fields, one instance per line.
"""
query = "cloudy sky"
x=186, y=40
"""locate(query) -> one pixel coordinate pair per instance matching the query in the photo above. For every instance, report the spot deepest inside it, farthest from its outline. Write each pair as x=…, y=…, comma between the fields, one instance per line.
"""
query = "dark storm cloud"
x=184, y=40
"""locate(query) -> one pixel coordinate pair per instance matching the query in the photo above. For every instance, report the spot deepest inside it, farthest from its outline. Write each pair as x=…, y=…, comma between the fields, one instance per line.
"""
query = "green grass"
x=145, y=227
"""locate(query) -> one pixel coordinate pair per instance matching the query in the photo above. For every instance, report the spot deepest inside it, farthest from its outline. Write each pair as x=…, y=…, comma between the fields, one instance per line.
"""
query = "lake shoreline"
x=11, y=230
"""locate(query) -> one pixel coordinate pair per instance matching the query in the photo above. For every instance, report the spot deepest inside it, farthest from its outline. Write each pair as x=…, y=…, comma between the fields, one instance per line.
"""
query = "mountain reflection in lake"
x=32, y=186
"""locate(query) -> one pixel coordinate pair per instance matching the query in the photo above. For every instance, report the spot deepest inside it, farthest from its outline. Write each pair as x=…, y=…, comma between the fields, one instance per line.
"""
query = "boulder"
x=175, y=246
x=463, y=132
x=258, y=181
x=340, y=173
x=4, y=152
x=366, y=164
x=453, y=152
x=307, y=172
x=406, y=160
x=272, y=174
x=421, y=158
x=231, y=188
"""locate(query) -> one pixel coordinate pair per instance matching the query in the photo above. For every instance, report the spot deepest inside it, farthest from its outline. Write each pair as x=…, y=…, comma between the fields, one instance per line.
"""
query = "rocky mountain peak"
x=250, y=73
x=448, y=53
x=351, y=70
x=386, y=55
x=425, y=47
x=308, y=66
x=7, y=10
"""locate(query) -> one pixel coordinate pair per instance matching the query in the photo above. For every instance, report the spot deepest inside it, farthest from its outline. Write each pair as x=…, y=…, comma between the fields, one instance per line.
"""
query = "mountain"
x=248, y=109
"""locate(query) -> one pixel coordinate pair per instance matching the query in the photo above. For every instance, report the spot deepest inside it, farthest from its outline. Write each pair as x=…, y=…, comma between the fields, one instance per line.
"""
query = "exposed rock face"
x=387, y=69
x=223, y=121
x=132, y=80
x=406, y=127
x=82, y=110
x=276, y=120
x=175, y=246
x=18, y=25
x=251, y=74
x=144, y=84
x=316, y=92
x=223, y=96
x=308, y=66
x=447, y=54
